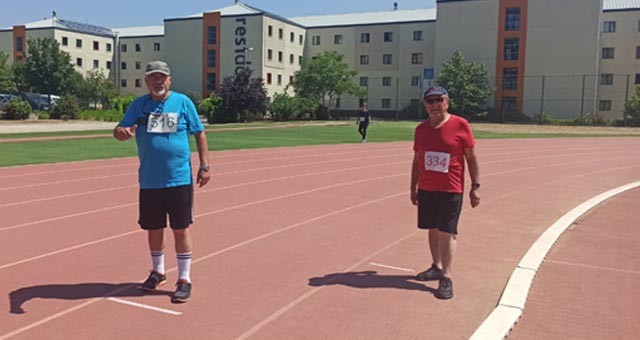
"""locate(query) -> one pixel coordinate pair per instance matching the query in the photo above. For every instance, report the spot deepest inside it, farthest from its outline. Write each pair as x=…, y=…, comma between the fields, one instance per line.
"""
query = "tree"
x=47, y=67
x=467, y=84
x=284, y=107
x=209, y=106
x=632, y=109
x=19, y=77
x=243, y=97
x=326, y=76
x=97, y=88
x=7, y=85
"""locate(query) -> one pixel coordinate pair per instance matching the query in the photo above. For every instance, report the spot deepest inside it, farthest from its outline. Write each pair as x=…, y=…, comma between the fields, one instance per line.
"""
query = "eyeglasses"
x=431, y=101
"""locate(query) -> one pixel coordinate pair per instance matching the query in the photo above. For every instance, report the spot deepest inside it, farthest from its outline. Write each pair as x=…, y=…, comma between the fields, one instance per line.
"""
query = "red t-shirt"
x=440, y=154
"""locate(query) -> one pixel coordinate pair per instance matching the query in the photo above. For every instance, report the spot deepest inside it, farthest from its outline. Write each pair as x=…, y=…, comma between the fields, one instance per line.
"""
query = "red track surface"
x=288, y=242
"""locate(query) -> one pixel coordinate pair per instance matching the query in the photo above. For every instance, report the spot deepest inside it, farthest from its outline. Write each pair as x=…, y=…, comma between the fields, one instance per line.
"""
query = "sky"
x=127, y=13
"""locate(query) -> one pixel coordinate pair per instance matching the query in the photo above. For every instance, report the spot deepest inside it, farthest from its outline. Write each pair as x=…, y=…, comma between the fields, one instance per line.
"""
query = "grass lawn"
x=224, y=137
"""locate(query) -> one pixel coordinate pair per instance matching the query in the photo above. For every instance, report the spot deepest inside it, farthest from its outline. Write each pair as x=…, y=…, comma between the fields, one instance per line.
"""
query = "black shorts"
x=155, y=204
x=439, y=210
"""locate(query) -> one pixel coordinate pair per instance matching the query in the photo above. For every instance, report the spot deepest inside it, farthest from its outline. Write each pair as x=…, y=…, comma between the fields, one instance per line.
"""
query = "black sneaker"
x=431, y=274
x=154, y=280
x=445, y=289
x=183, y=291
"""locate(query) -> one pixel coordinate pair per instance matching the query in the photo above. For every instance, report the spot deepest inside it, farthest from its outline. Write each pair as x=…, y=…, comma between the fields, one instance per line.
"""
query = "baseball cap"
x=435, y=91
x=157, y=66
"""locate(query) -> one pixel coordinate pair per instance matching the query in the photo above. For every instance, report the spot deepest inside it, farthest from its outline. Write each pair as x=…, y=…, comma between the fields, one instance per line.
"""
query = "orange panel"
x=520, y=63
x=210, y=20
x=19, y=32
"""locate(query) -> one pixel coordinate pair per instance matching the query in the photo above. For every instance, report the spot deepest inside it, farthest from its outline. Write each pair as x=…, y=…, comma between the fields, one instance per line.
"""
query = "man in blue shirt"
x=161, y=121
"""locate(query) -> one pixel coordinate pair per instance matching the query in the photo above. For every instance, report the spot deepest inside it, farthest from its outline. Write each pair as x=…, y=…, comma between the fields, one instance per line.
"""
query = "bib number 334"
x=162, y=123
x=437, y=161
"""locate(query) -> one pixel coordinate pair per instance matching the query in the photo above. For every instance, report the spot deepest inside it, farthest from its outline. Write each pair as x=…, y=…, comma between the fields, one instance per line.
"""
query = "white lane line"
x=140, y=305
x=84, y=304
x=66, y=181
x=392, y=267
x=512, y=302
x=52, y=198
x=564, y=263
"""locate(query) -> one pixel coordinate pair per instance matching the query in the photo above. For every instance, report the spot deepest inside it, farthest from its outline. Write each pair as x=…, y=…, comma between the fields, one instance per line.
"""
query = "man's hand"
x=123, y=133
x=414, y=197
x=474, y=197
x=203, y=177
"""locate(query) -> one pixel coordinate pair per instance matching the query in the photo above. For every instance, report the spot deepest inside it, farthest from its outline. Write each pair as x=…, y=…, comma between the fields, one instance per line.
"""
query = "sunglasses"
x=433, y=100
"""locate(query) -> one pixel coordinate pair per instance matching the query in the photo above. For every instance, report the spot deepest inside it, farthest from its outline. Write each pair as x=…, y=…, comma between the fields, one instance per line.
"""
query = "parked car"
x=36, y=101
x=5, y=99
x=51, y=99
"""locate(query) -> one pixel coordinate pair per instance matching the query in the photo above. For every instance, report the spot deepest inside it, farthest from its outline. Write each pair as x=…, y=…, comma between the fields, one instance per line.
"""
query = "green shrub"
x=102, y=115
x=67, y=107
x=209, y=106
x=123, y=102
x=43, y=115
x=18, y=109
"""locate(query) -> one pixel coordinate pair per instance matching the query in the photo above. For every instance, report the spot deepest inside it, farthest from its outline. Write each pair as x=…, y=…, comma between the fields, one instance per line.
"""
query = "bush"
x=210, y=106
x=67, y=107
x=284, y=108
x=102, y=115
x=18, y=109
x=43, y=115
x=122, y=103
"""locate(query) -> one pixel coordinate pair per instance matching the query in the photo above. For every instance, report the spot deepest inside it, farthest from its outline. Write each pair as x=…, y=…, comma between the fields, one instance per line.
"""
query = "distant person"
x=161, y=122
x=442, y=143
x=363, y=122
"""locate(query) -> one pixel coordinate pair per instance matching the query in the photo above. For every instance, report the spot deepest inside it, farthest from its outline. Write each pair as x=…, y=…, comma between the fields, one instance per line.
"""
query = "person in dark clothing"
x=363, y=122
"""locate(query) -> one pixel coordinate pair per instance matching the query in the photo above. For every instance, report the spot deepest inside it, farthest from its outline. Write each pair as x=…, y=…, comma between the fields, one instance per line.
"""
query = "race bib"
x=437, y=161
x=363, y=119
x=162, y=123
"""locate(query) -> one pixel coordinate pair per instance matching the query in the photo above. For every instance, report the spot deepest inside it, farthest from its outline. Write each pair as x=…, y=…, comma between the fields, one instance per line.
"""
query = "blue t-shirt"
x=164, y=152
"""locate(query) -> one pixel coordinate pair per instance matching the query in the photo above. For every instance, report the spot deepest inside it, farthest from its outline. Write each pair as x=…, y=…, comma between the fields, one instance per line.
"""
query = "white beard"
x=160, y=93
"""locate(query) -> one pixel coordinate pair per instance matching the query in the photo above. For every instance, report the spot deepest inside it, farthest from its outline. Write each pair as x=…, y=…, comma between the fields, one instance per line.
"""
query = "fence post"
x=542, y=100
x=626, y=98
x=397, y=95
x=582, y=100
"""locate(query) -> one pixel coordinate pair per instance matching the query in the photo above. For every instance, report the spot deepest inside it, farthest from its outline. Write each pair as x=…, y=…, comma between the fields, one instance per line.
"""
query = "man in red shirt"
x=441, y=145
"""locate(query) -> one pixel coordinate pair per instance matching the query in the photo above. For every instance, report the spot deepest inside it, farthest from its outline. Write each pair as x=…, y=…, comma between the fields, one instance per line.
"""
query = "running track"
x=290, y=243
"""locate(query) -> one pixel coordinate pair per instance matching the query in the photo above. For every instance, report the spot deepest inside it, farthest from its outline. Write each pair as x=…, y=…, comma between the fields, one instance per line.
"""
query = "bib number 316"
x=163, y=123
x=437, y=161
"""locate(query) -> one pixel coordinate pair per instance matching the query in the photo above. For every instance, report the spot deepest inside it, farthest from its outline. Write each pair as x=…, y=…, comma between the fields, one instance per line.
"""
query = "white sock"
x=184, y=266
x=157, y=258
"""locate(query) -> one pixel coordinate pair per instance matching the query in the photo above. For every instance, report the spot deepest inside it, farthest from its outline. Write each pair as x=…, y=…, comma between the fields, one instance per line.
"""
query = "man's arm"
x=123, y=133
x=204, y=171
x=413, y=188
x=474, y=173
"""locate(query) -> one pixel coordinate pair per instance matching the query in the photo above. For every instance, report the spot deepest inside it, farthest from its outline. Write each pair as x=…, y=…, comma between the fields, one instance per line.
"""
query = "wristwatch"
x=475, y=186
x=205, y=167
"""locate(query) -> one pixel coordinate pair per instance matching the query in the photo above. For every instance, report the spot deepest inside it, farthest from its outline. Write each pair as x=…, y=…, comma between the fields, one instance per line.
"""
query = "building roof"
x=367, y=18
x=238, y=9
x=56, y=22
x=139, y=31
x=617, y=5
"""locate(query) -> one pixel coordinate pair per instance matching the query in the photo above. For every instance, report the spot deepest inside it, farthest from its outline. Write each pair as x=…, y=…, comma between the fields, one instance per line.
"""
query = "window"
x=637, y=52
x=511, y=48
x=364, y=81
x=79, y=62
x=65, y=41
x=364, y=59
x=415, y=80
x=417, y=35
x=364, y=38
x=79, y=43
x=291, y=59
x=315, y=40
x=212, y=35
x=606, y=79
x=388, y=36
x=123, y=65
x=123, y=83
x=138, y=48
x=19, y=44
x=269, y=54
x=138, y=83
x=638, y=25
x=96, y=46
x=108, y=47
x=607, y=53
x=637, y=82
x=268, y=78
x=292, y=37
x=137, y=65
x=509, y=104
x=96, y=64
x=337, y=39
x=279, y=79
x=270, y=30
x=604, y=105
x=386, y=81
x=301, y=39
x=290, y=79
x=386, y=103
x=387, y=59
x=280, y=33
x=299, y=60
x=416, y=58
x=510, y=78
x=361, y=102
x=108, y=65
x=156, y=47
x=211, y=58
x=280, y=56
x=211, y=81
x=512, y=19
x=123, y=48
x=609, y=27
